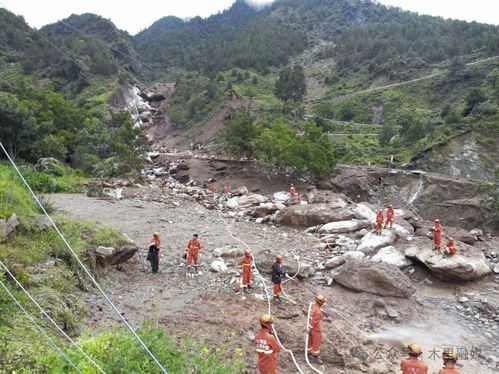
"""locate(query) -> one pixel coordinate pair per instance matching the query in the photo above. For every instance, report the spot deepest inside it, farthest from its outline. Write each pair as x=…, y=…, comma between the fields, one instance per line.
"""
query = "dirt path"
x=206, y=307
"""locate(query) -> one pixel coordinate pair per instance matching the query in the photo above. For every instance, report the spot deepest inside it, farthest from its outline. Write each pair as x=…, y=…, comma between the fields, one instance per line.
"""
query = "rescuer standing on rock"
x=246, y=265
x=192, y=251
x=292, y=192
x=277, y=273
x=413, y=365
x=390, y=215
x=153, y=254
x=379, y=221
x=267, y=346
x=450, y=359
x=450, y=247
x=315, y=329
x=437, y=235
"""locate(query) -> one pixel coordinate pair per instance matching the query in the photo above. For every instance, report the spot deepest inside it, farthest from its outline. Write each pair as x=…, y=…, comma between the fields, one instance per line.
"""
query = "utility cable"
x=266, y=293
x=32, y=320
x=50, y=319
x=82, y=265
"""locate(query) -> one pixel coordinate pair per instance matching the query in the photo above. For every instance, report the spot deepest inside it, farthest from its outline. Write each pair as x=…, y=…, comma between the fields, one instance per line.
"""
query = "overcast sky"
x=135, y=16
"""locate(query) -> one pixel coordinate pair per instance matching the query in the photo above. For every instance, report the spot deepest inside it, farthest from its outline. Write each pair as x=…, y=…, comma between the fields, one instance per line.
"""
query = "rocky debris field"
x=384, y=290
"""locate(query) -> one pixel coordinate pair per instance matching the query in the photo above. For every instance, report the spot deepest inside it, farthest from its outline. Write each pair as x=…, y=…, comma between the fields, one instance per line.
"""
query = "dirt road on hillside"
x=357, y=338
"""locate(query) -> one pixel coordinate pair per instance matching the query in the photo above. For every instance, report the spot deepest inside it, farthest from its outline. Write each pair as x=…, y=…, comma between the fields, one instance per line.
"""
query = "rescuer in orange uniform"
x=379, y=221
x=390, y=215
x=450, y=247
x=226, y=190
x=212, y=188
x=413, y=365
x=192, y=251
x=277, y=273
x=450, y=359
x=315, y=329
x=292, y=192
x=246, y=264
x=437, y=235
x=267, y=346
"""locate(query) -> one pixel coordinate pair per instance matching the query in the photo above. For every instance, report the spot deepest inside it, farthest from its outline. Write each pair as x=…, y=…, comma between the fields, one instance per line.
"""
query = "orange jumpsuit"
x=246, y=263
x=193, y=249
x=449, y=370
x=379, y=221
x=212, y=187
x=292, y=192
x=437, y=235
x=451, y=247
x=390, y=214
x=156, y=242
x=226, y=190
x=315, y=330
x=413, y=366
x=267, y=349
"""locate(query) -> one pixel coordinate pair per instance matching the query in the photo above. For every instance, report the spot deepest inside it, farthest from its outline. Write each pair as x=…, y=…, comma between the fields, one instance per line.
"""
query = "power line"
x=50, y=319
x=30, y=317
x=82, y=265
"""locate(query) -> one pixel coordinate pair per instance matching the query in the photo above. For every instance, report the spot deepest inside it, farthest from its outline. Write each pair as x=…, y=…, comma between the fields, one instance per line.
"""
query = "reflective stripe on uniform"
x=264, y=351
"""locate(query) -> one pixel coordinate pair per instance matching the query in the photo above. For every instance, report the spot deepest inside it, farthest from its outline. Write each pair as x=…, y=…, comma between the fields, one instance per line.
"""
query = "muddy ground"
x=359, y=337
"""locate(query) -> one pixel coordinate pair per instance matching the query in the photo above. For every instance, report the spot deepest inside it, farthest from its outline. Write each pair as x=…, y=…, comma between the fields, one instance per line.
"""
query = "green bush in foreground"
x=118, y=352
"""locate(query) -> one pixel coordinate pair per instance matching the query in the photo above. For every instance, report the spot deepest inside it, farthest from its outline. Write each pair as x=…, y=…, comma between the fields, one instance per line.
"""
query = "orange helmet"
x=155, y=234
x=266, y=320
x=279, y=258
x=414, y=349
x=320, y=299
x=449, y=355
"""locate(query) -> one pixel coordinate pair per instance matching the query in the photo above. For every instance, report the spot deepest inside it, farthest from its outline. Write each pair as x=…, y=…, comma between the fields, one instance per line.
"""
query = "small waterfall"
x=418, y=190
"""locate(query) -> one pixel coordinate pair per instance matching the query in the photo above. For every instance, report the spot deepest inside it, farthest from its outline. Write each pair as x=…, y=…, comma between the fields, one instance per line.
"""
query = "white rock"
x=334, y=262
x=253, y=199
x=345, y=226
x=401, y=231
x=281, y=196
x=232, y=203
x=463, y=299
x=372, y=241
x=218, y=266
x=105, y=251
x=363, y=212
x=259, y=220
x=355, y=255
x=393, y=256
x=227, y=252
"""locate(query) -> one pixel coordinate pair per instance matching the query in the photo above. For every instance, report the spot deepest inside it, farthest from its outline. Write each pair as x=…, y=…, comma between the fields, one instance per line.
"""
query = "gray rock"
x=264, y=209
x=334, y=262
x=108, y=256
x=364, y=212
x=375, y=278
x=379, y=303
x=355, y=255
x=338, y=227
x=259, y=220
x=392, y=313
x=243, y=190
x=393, y=256
x=304, y=215
x=468, y=264
x=227, y=252
x=42, y=221
x=372, y=241
x=7, y=226
x=463, y=299
x=253, y=199
x=49, y=165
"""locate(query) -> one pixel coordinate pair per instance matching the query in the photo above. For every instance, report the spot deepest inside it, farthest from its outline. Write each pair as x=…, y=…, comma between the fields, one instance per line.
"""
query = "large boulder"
x=372, y=241
x=243, y=190
x=253, y=199
x=345, y=226
x=109, y=256
x=312, y=214
x=468, y=264
x=376, y=278
x=335, y=262
x=50, y=165
x=393, y=256
x=364, y=211
x=218, y=266
x=265, y=209
x=8, y=225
